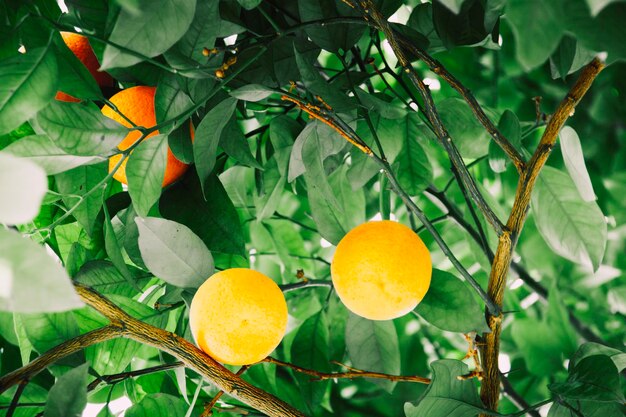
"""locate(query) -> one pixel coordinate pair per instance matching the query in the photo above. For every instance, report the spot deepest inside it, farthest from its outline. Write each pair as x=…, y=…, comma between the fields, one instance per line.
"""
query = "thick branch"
x=370, y=12
x=190, y=355
x=353, y=373
x=490, y=388
x=57, y=353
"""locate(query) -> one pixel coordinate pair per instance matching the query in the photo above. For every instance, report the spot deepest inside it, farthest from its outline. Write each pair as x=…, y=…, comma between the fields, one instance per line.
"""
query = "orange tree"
x=470, y=121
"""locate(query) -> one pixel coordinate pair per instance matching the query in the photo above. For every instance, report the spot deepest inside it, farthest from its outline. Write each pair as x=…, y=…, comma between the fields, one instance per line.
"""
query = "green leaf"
x=575, y=163
x=104, y=277
x=421, y=20
x=373, y=346
x=273, y=186
x=208, y=136
x=23, y=185
x=214, y=220
x=596, y=6
x=331, y=37
x=469, y=136
x=42, y=151
x=114, y=249
x=510, y=128
x=27, y=84
x=450, y=305
x=145, y=171
x=453, y=5
x=468, y=26
x=74, y=78
x=414, y=172
x=170, y=100
x=80, y=128
x=75, y=184
x=586, y=409
x=573, y=228
x=590, y=348
x=47, y=289
x=173, y=252
x=249, y=4
x=384, y=108
x=158, y=405
x=155, y=30
x=593, y=378
x=235, y=144
x=46, y=331
x=68, y=396
x=252, y=92
x=569, y=57
x=447, y=395
x=532, y=20
x=310, y=350
x=283, y=134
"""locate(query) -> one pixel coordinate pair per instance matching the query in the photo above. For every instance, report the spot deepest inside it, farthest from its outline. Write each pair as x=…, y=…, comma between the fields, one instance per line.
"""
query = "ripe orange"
x=79, y=44
x=381, y=270
x=137, y=103
x=238, y=316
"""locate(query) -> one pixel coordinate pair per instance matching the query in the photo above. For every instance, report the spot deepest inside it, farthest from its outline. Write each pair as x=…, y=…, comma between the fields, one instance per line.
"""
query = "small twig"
x=308, y=283
x=208, y=408
x=16, y=397
x=354, y=373
x=115, y=378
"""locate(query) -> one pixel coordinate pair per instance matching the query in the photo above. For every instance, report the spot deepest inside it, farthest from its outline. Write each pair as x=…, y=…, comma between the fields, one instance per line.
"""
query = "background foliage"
x=274, y=190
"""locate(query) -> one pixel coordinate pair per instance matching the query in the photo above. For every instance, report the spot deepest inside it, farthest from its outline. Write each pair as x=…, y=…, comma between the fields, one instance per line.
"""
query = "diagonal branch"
x=352, y=374
x=507, y=241
x=347, y=133
x=190, y=355
x=436, y=67
x=370, y=12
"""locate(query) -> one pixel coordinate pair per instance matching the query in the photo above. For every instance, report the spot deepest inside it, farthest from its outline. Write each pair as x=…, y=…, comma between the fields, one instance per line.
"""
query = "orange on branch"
x=381, y=270
x=137, y=103
x=238, y=316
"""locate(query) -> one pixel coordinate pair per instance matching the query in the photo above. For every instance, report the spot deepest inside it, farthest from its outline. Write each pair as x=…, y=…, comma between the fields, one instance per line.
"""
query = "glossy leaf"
x=593, y=378
x=575, y=162
x=80, y=129
x=466, y=132
x=137, y=36
x=373, y=345
x=208, y=136
x=451, y=305
x=145, y=172
x=252, y=92
x=27, y=84
x=447, y=395
x=68, y=396
x=575, y=229
x=158, y=405
x=173, y=252
x=42, y=151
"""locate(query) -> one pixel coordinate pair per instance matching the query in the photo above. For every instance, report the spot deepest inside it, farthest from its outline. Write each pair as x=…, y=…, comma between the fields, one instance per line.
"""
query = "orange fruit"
x=137, y=103
x=381, y=270
x=79, y=44
x=238, y=316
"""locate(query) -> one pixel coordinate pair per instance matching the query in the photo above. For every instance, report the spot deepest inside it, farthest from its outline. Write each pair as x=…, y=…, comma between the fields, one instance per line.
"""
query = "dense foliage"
x=285, y=96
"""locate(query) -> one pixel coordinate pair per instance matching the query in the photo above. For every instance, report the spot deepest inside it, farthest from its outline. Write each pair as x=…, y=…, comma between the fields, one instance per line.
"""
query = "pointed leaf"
x=68, y=396
x=173, y=252
x=575, y=163
x=145, y=172
x=27, y=84
x=145, y=33
x=80, y=128
x=575, y=229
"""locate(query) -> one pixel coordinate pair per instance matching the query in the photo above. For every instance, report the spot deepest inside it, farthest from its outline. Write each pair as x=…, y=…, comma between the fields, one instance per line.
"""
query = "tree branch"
x=64, y=349
x=348, y=134
x=370, y=12
x=115, y=378
x=502, y=260
x=190, y=355
x=353, y=373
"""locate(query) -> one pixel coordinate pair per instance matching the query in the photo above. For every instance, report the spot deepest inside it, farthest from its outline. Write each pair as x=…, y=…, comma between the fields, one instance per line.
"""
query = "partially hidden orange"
x=137, y=103
x=80, y=46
